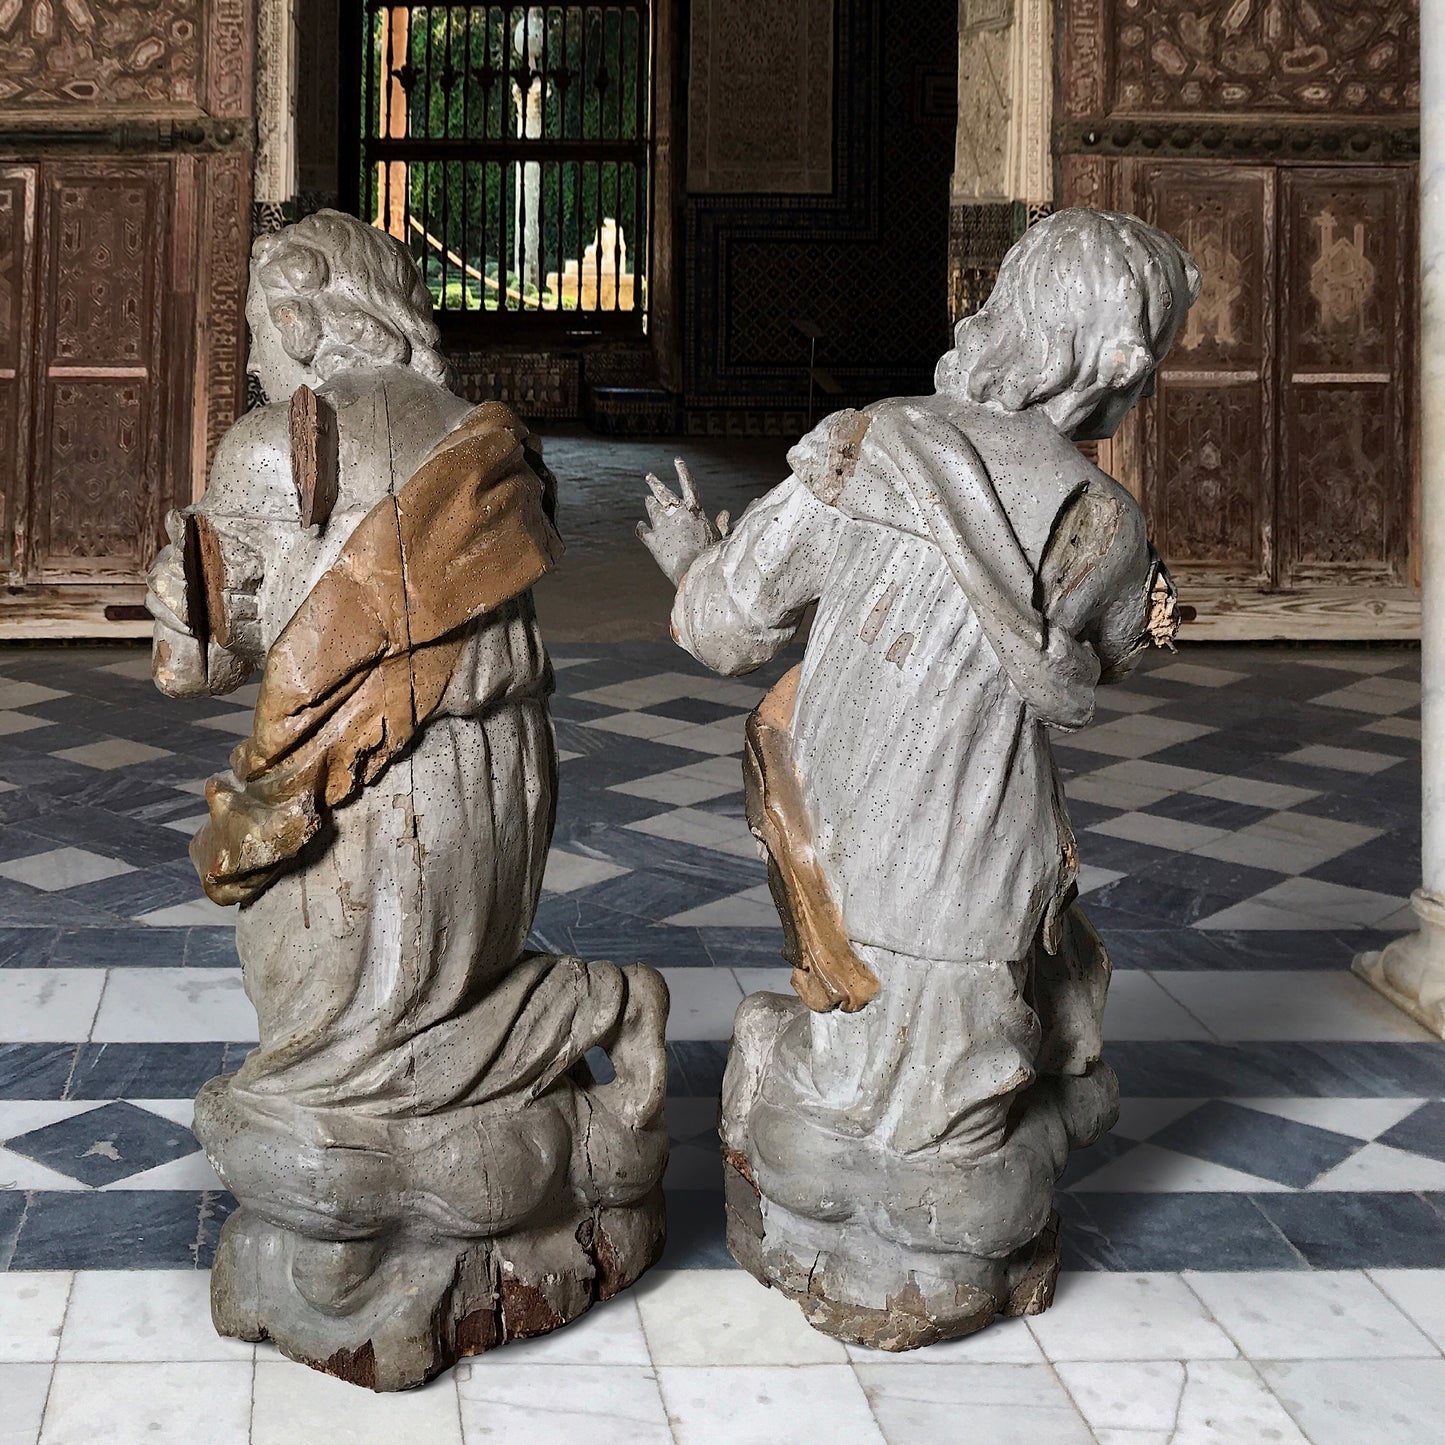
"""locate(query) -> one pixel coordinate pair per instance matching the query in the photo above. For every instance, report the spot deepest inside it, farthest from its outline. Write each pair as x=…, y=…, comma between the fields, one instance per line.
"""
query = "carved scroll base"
x=383, y=1248
x=389, y=1314
x=884, y=1248
x=1410, y=971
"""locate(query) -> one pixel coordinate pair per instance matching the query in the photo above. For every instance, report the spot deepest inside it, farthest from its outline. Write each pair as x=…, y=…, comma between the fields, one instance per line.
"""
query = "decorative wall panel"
x=864, y=267
x=1346, y=321
x=120, y=55
x=17, y=340
x=760, y=114
x=1338, y=60
x=95, y=497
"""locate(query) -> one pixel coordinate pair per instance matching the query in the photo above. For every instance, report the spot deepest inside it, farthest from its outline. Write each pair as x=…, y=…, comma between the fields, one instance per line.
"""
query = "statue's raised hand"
x=681, y=531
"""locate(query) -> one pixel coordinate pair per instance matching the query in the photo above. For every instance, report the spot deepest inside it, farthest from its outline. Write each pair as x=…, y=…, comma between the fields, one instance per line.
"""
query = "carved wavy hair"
x=1084, y=306
x=343, y=293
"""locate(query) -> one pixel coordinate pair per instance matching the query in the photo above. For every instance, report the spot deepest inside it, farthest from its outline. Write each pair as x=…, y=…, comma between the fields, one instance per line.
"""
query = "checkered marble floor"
x=1256, y=1253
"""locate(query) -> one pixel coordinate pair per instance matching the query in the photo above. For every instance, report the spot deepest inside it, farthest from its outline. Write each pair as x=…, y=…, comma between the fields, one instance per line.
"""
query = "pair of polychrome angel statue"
x=425, y=1163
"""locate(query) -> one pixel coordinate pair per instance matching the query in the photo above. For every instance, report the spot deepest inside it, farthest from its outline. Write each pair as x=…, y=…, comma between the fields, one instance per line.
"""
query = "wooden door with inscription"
x=98, y=475
x=1277, y=453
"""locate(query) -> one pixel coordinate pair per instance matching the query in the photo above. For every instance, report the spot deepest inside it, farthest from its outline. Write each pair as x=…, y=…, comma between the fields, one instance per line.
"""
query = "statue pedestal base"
x=391, y=1313
x=858, y=1287
x=1410, y=972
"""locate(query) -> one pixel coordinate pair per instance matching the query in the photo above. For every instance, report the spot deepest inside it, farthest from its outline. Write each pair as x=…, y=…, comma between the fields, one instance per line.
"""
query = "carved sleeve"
x=742, y=600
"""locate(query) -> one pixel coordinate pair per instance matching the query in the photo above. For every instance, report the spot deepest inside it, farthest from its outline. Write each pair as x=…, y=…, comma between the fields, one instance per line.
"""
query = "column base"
x=1410, y=972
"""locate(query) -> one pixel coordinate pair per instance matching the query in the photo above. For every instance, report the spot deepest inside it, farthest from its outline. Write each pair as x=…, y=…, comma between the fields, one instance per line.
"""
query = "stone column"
x=1002, y=167
x=274, y=170
x=1410, y=972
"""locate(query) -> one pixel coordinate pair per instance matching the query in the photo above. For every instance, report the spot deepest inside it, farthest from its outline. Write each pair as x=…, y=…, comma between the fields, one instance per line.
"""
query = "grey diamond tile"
x=103, y=1145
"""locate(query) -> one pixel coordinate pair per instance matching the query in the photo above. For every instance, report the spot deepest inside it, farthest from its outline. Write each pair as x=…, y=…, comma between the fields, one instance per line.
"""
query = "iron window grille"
x=509, y=147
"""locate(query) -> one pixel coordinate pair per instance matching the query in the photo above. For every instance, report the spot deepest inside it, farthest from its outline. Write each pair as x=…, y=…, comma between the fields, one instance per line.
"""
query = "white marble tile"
x=608, y=1334
x=1359, y=1118
x=676, y=788
x=1335, y=903
x=1255, y=792
x=1195, y=674
x=1225, y=1402
x=136, y=1315
x=1345, y=760
x=1166, y=778
x=752, y=908
x=633, y=724
x=18, y=1172
x=751, y=1405
x=725, y=1317
x=111, y=753
x=62, y=868
x=137, y=668
x=1136, y=735
x=14, y=693
x=239, y=724
x=566, y=872
x=1307, y=1314
x=1395, y=727
x=1092, y=877
x=198, y=913
x=559, y=1405
x=1421, y=1294
x=1003, y=1404
x=704, y=1001
x=1125, y=1394
x=23, y=1389
x=48, y=1005
x=1158, y=831
x=701, y=830
x=1289, y=843
x=174, y=1005
x=1004, y=1342
x=1121, y=699
x=192, y=1173
x=1379, y=1167
x=189, y=826
x=1151, y=1169
x=1106, y=1316
x=1138, y=1008
x=152, y=1404
x=293, y=1405
x=1253, y=915
x=1094, y=788
x=765, y=980
x=32, y=1309
x=640, y=691
x=1299, y=1005
x=1139, y=1117
x=1362, y=1402
x=20, y=722
x=719, y=739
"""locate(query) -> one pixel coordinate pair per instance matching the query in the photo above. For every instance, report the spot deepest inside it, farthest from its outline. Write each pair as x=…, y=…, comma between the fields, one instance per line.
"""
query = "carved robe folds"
x=425, y=1165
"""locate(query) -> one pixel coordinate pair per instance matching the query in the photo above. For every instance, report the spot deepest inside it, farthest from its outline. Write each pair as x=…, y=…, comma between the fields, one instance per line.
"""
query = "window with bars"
x=509, y=146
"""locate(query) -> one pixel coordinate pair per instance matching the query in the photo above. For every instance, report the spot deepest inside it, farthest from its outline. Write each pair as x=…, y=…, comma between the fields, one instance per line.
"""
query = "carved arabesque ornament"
x=128, y=54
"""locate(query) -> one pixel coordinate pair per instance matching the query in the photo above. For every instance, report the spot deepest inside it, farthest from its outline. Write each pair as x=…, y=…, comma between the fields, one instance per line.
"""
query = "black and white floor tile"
x=1256, y=1252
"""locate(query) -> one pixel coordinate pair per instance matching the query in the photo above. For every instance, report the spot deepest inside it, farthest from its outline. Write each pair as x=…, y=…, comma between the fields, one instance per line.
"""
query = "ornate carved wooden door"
x=1346, y=341
x=92, y=506
x=1277, y=453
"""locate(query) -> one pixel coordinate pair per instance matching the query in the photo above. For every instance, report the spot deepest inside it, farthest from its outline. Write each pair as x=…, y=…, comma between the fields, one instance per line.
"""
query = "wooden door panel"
x=1346, y=320
x=1204, y=446
x=98, y=486
x=17, y=345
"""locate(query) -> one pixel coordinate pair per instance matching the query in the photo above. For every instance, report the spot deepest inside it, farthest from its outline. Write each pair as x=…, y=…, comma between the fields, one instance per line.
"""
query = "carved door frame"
x=1281, y=561
x=175, y=97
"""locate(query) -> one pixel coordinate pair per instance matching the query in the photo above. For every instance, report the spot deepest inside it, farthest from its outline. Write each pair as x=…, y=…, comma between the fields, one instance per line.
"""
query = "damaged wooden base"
x=862, y=1289
x=390, y=1313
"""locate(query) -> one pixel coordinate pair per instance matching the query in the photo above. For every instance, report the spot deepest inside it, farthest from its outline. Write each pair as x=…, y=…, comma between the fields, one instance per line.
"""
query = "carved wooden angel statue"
x=426, y=1167
x=894, y=1134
